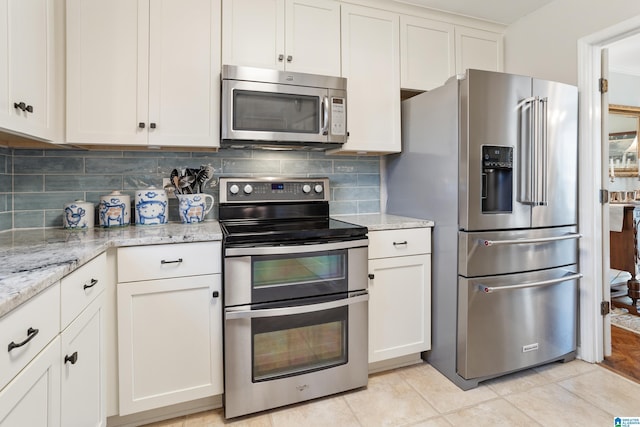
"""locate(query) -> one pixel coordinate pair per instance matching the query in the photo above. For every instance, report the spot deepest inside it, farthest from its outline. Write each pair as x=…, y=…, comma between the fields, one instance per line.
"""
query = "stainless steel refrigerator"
x=492, y=159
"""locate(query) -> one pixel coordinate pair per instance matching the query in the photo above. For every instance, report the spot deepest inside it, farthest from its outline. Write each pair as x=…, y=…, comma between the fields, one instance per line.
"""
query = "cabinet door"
x=399, y=306
x=169, y=341
x=478, y=49
x=107, y=69
x=313, y=36
x=371, y=63
x=33, y=397
x=31, y=79
x=426, y=53
x=253, y=33
x=83, y=375
x=184, y=73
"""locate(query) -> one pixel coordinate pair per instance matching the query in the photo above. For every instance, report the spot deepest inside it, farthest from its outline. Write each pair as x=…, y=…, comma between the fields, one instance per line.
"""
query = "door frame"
x=592, y=217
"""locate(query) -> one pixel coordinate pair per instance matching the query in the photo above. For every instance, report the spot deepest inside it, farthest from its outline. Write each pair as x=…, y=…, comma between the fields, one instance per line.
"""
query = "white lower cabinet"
x=32, y=398
x=83, y=375
x=400, y=293
x=169, y=331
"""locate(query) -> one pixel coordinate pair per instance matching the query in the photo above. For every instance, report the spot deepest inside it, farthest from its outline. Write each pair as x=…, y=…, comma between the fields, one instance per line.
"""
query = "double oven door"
x=296, y=322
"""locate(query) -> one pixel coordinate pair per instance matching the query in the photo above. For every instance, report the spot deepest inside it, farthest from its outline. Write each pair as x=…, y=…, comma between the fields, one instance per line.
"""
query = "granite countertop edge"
x=379, y=222
x=33, y=260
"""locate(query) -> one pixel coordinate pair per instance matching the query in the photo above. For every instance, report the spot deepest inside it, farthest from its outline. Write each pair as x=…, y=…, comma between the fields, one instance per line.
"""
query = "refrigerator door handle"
x=487, y=243
x=527, y=169
x=490, y=289
x=543, y=201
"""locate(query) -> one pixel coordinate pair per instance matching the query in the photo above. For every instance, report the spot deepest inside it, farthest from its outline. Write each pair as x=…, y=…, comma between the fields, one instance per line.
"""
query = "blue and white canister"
x=114, y=210
x=78, y=215
x=151, y=206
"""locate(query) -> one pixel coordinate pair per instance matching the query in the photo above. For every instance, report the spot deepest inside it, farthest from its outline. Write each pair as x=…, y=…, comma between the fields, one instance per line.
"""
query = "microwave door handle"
x=544, y=151
x=325, y=115
x=490, y=289
x=243, y=313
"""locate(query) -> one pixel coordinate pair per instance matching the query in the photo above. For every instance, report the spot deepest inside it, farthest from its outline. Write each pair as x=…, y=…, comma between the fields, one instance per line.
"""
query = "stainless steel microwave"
x=264, y=108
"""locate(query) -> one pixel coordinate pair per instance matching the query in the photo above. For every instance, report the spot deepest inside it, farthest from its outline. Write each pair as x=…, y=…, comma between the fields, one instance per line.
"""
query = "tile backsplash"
x=36, y=184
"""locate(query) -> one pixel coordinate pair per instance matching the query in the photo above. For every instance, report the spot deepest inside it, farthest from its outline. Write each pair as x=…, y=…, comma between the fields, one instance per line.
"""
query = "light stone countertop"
x=376, y=222
x=32, y=260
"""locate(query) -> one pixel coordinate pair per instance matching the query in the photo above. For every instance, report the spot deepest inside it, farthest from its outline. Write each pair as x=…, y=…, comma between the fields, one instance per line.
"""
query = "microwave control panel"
x=338, y=122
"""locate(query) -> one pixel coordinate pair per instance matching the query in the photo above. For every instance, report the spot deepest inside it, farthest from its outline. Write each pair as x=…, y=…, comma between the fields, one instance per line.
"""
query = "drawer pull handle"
x=400, y=243
x=31, y=333
x=73, y=358
x=171, y=262
x=93, y=283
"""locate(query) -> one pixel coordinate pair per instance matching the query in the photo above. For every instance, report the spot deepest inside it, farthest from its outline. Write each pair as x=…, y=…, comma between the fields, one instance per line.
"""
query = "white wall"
x=544, y=43
x=624, y=89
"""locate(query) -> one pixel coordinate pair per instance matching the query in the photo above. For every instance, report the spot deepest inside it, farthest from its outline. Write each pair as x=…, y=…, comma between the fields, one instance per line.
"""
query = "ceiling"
x=623, y=56
x=500, y=11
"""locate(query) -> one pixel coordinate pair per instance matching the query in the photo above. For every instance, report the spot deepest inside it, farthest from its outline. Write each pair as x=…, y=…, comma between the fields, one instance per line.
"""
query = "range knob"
x=234, y=189
x=318, y=188
x=248, y=189
x=306, y=188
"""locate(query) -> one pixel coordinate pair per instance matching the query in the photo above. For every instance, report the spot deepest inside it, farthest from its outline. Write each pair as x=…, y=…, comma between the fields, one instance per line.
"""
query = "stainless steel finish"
x=536, y=324
x=238, y=274
x=439, y=176
x=325, y=115
x=267, y=75
x=245, y=312
x=490, y=289
x=243, y=397
x=264, y=192
x=296, y=249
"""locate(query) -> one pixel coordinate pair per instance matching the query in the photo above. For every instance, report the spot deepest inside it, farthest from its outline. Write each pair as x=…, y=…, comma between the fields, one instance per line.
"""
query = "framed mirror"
x=624, y=122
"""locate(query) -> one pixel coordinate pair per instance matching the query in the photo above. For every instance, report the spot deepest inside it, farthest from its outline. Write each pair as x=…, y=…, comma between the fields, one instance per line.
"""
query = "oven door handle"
x=296, y=249
x=242, y=313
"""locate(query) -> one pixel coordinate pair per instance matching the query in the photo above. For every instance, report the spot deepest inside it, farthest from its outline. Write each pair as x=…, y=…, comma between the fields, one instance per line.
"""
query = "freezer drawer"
x=511, y=322
x=502, y=252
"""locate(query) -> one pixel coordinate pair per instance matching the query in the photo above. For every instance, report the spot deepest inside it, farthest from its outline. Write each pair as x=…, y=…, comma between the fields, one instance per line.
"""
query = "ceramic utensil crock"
x=193, y=207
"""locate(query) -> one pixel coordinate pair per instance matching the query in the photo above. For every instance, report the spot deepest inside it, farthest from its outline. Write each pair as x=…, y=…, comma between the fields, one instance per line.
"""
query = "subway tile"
x=28, y=183
x=53, y=218
x=135, y=182
x=5, y=151
x=157, y=154
x=4, y=164
x=74, y=153
x=6, y=221
x=122, y=166
x=82, y=182
x=28, y=152
x=357, y=166
x=279, y=155
x=342, y=180
x=28, y=219
x=5, y=183
x=258, y=167
x=307, y=166
x=356, y=193
x=37, y=201
x=369, y=180
x=165, y=166
x=5, y=202
x=343, y=208
x=35, y=165
x=368, y=206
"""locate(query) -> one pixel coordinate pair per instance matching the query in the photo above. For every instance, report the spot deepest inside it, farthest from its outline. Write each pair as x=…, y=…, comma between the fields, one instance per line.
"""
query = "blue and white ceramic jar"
x=114, y=210
x=78, y=215
x=151, y=206
x=193, y=207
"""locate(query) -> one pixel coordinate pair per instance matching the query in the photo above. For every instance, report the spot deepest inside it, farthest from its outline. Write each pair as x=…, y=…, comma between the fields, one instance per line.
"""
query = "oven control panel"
x=243, y=190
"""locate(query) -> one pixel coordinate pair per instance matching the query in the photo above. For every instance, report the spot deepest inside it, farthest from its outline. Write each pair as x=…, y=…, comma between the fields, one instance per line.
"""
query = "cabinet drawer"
x=81, y=287
x=390, y=243
x=35, y=324
x=167, y=261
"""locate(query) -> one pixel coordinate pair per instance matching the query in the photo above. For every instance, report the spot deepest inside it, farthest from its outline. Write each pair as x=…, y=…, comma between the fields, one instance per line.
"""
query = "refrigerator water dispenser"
x=497, y=179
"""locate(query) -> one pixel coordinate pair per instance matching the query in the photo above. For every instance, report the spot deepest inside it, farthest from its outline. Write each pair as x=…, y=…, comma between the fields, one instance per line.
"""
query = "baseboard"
x=165, y=413
x=398, y=362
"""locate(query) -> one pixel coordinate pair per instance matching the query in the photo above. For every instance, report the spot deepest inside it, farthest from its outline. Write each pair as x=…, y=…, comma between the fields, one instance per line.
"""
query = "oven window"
x=275, y=112
x=291, y=345
x=294, y=269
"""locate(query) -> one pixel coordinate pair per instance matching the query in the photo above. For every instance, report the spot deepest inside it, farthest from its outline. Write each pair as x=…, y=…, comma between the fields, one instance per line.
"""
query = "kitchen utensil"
x=175, y=177
x=114, y=209
x=186, y=182
x=193, y=207
x=204, y=174
x=151, y=206
x=78, y=215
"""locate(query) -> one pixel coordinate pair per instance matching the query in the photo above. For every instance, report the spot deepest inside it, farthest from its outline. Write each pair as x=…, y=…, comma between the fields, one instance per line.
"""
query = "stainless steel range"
x=295, y=294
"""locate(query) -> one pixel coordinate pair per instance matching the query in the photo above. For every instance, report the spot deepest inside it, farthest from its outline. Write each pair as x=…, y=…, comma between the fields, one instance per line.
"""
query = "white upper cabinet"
x=292, y=35
x=478, y=49
x=143, y=72
x=427, y=52
x=31, y=68
x=371, y=64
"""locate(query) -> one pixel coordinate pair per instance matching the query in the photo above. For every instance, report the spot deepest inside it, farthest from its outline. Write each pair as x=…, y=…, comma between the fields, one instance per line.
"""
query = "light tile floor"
x=571, y=394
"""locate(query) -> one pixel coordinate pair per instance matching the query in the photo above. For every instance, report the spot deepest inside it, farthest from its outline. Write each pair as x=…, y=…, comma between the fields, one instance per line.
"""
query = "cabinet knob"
x=216, y=294
x=73, y=358
x=371, y=276
x=141, y=125
x=152, y=125
x=289, y=58
x=23, y=107
x=280, y=58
